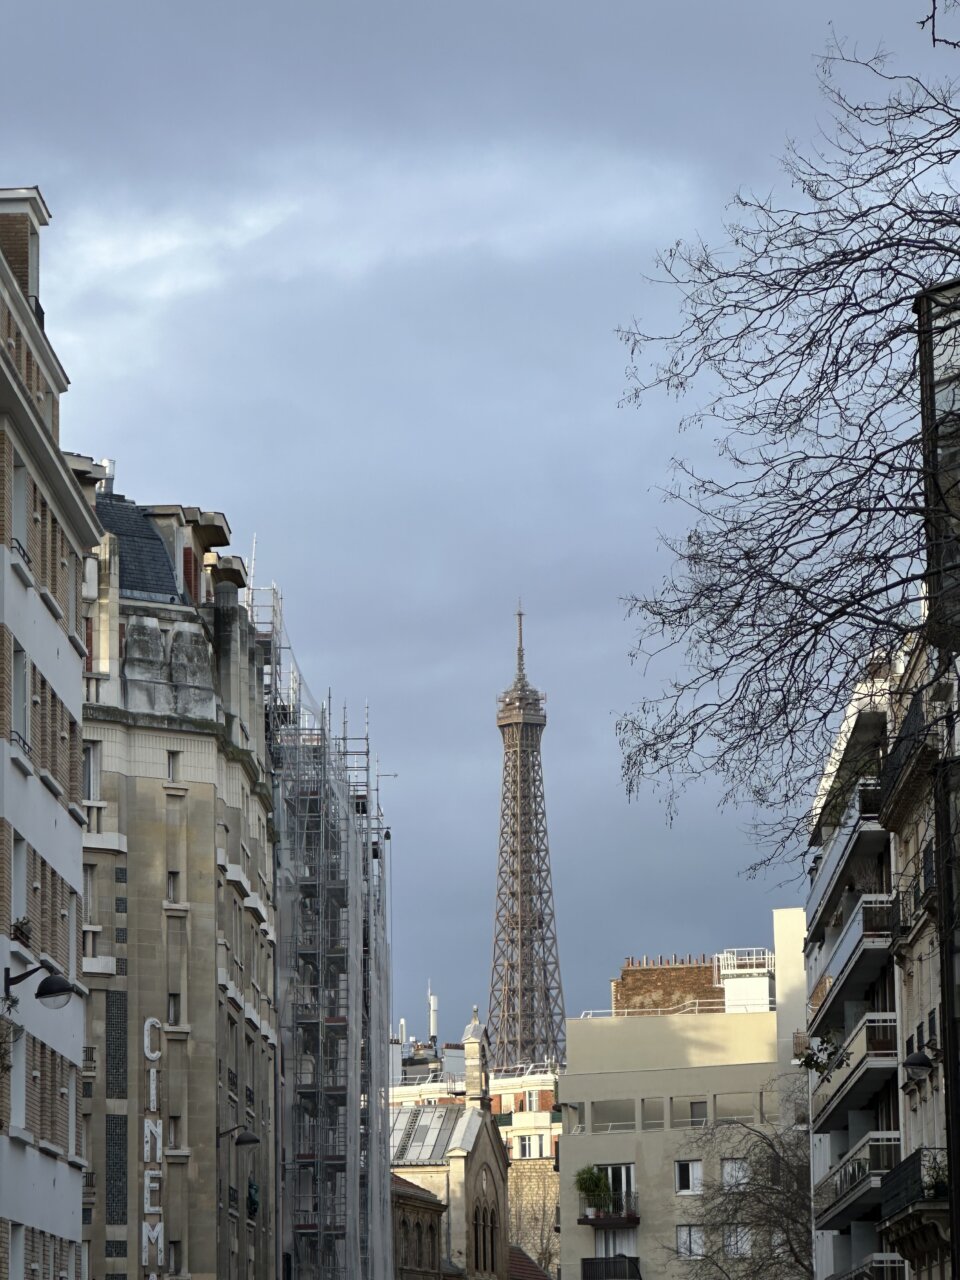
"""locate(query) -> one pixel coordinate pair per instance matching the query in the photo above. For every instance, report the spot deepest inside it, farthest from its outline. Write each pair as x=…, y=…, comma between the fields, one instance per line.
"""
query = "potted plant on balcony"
x=594, y=1187
x=20, y=930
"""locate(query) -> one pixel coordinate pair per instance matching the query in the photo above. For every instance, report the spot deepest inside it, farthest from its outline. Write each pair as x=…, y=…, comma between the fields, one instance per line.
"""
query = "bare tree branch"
x=802, y=567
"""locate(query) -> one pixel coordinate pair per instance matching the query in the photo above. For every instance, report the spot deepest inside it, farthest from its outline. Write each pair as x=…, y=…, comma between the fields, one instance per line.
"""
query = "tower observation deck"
x=526, y=1018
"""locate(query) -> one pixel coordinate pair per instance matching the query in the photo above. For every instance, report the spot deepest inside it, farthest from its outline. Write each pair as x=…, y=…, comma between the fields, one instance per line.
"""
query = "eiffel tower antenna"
x=526, y=1019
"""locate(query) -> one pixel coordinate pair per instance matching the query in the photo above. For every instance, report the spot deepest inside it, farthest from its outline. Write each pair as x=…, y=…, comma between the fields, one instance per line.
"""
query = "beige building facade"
x=178, y=922
x=643, y=1079
x=45, y=530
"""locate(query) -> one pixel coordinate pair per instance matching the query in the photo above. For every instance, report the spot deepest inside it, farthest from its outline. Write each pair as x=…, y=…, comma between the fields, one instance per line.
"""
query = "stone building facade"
x=417, y=1231
x=178, y=924
x=45, y=529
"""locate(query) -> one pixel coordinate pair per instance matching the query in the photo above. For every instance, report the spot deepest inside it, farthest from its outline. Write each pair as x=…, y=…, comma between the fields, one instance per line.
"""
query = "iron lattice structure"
x=526, y=1018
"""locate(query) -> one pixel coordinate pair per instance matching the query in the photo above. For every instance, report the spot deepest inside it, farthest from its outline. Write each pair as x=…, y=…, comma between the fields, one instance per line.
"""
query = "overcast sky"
x=350, y=273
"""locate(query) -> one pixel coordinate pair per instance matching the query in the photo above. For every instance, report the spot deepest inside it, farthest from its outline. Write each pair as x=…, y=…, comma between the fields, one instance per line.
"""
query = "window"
x=418, y=1246
x=530, y=1146
x=688, y=1177
x=404, y=1243
x=173, y=886
x=21, y=708
x=91, y=771
x=173, y=1132
x=736, y=1241
x=19, y=886
x=89, y=901
x=476, y=1238
x=493, y=1239
x=734, y=1174
x=173, y=1009
x=689, y=1241
x=698, y=1114
x=483, y=1239
x=432, y=1247
x=174, y=1257
x=651, y=1114
x=173, y=766
x=531, y=1100
x=20, y=503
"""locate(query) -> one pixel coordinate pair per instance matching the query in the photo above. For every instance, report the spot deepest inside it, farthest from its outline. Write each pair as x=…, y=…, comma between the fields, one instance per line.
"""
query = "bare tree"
x=534, y=1192
x=753, y=1214
x=802, y=568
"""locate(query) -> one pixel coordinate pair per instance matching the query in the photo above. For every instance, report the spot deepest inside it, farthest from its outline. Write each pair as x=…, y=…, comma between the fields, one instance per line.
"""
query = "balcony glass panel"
x=864, y=806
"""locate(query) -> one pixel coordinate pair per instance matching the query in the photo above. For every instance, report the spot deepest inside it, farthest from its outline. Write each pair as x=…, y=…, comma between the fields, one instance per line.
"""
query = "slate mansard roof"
x=146, y=571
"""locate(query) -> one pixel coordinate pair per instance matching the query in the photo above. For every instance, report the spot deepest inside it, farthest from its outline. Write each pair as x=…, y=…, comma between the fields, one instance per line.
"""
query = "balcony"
x=616, y=1209
x=848, y=1192
x=914, y=1208
x=857, y=831
x=864, y=1061
x=913, y=754
x=855, y=962
x=877, y=1266
x=620, y=1268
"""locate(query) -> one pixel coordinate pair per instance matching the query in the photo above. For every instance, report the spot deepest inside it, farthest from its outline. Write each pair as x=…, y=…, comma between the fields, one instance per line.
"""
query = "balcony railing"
x=231, y=1080
x=250, y=1098
x=873, y=1041
x=872, y=1157
x=599, y=1210
x=921, y=1176
x=622, y=1268
x=864, y=805
x=869, y=925
x=877, y=1266
x=918, y=894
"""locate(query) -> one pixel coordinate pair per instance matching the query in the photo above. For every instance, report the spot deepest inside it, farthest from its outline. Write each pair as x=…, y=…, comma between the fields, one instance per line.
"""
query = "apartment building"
x=685, y=1045
x=178, y=924
x=913, y=1208
x=45, y=529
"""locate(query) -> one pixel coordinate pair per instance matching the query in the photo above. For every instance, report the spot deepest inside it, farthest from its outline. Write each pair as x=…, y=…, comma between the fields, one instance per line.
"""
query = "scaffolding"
x=334, y=976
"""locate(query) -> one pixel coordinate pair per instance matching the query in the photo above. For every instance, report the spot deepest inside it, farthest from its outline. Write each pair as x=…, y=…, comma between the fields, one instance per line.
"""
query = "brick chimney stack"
x=23, y=211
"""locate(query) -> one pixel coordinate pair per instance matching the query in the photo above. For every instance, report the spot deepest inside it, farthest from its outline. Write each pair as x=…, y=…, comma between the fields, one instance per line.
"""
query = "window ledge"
x=78, y=1162
x=178, y=1032
x=19, y=567
x=176, y=1155
x=48, y=599
x=16, y=1134
x=50, y=1149
x=50, y=964
x=176, y=908
x=20, y=760
x=80, y=647
x=176, y=788
x=50, y=782
x=77, y=814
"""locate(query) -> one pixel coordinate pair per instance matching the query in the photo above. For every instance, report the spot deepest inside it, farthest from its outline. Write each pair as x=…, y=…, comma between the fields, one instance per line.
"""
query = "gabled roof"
x=402, y=1186
x=523, y=1267
x=426, y=1135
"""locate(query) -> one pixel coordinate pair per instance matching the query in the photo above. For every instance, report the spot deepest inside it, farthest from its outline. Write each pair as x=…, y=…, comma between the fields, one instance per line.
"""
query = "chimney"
x=22, y=213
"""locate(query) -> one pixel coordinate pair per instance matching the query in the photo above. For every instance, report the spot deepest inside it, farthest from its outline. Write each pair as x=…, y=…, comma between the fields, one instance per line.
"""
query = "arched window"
x=418, y=1246
x=404, y=1243
x=484, y=1267
x=476, y=1237
x=493, y=1239
x=432, y=1247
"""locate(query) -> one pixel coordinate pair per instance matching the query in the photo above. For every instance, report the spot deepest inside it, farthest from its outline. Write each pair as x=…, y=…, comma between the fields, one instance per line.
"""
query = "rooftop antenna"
x=250, y=575
x=521, y=673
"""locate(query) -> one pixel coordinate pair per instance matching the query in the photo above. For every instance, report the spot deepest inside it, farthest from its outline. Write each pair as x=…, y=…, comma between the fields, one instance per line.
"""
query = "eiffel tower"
x=525, y=1022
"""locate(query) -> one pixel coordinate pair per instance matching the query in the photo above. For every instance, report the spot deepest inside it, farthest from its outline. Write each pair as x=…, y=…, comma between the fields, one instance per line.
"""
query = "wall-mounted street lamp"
x=54, y=990
x=243, y=1139
x=917, y=1066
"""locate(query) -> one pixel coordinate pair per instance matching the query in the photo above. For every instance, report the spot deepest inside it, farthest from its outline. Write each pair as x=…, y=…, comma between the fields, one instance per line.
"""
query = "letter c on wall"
x=151, y=1054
